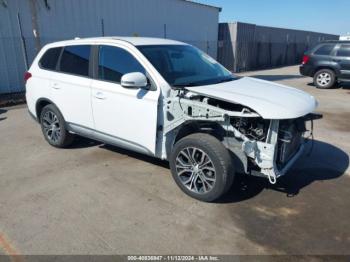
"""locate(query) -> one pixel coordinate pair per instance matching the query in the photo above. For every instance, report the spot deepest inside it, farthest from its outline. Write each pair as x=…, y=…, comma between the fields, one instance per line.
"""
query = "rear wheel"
x=202, y=167
x=53, y=127
x=324, y=78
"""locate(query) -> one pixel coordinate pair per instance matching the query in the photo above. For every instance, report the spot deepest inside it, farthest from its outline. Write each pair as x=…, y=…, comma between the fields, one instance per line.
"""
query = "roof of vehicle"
x=136, y=41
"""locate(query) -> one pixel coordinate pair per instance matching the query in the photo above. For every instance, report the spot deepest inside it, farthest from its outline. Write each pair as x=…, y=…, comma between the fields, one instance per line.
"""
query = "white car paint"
x=71, y=94
x=270, y=100
x=125, y=113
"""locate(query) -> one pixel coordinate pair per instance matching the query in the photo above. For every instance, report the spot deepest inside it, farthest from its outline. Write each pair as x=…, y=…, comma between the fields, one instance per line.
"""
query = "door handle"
x=55, y=86
x=336, y=60
x=100, y=95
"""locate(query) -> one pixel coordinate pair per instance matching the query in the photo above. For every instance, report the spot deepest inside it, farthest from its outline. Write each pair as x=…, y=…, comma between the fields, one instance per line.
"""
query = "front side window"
x=114, y=62
x=75, y=60
x=50, y=58
x=344, y=50
x=185, y=65
x=325, y=49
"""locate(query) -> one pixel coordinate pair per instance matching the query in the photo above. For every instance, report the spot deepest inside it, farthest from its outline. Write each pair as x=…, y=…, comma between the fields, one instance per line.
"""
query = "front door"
x=126, y=117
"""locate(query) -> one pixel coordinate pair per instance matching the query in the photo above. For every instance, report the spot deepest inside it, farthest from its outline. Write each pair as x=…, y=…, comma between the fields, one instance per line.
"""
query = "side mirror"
x=134, y=80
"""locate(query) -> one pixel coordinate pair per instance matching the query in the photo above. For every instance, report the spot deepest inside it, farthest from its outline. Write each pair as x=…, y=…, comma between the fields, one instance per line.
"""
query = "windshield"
x=185, y=65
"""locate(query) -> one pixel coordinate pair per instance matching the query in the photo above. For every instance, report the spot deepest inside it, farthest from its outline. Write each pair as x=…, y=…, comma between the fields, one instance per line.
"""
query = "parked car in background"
x=170, y=100
x=328, y=63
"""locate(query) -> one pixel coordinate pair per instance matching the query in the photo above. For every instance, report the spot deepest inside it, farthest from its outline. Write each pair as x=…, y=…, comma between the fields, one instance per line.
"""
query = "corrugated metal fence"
x=243, y=47
x=27, y=25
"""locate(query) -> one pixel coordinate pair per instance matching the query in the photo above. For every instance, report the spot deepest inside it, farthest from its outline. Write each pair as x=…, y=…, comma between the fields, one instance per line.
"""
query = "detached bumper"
x=291, y=162
x=299, y=152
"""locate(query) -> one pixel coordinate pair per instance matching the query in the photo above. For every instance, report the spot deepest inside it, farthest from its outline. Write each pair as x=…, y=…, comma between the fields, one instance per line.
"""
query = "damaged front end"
x=260, y=147
x=280, y=144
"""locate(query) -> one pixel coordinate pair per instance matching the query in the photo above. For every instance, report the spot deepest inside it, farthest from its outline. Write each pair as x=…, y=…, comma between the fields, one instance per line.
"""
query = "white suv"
x=169, y=100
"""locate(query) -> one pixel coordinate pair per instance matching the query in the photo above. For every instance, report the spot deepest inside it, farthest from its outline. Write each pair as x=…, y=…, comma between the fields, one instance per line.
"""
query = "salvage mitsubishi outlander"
x=169, y=100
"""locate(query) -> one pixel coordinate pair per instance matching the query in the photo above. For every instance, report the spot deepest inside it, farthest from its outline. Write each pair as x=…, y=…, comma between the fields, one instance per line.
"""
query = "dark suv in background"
x=327, y=63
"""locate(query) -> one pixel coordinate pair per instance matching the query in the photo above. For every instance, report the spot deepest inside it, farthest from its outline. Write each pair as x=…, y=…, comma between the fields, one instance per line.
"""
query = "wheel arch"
x=192, y=127
x=214, y=129
x=211, y=128
x=329, y=67
x=40, y=104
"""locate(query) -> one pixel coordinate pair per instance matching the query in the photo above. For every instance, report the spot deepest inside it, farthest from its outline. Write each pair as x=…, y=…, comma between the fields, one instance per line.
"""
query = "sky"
x=325, y=16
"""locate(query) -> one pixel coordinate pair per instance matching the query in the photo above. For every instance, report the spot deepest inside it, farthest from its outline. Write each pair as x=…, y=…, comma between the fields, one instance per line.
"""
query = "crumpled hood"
x=270, y=100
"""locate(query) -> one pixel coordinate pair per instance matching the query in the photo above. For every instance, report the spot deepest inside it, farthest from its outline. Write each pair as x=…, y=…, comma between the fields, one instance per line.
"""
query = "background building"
x=243, y=46
x=26, y=25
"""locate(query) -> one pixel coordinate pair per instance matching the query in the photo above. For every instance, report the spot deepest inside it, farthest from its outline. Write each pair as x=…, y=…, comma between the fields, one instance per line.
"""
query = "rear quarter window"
x=50, y=58
x=344, y=50
x=324, y=49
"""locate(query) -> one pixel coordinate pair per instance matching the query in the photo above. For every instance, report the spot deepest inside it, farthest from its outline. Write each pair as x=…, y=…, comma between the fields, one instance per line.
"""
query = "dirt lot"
x=97, y=199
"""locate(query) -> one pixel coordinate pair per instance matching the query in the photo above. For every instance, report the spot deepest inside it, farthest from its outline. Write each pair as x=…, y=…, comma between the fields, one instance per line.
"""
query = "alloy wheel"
x=195, y=170
x=51, y=126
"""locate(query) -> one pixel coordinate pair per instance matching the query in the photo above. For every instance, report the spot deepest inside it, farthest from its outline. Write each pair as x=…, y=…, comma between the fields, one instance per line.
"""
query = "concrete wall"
x=55, y=20
x=244, y=47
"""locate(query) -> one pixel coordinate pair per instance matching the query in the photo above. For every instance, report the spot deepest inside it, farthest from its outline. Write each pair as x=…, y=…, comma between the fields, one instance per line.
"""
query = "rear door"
x=343, y=58
x=70, y=85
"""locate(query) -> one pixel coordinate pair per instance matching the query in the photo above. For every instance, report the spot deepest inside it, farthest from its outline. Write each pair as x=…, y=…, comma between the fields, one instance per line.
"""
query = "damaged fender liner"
x=179, y=110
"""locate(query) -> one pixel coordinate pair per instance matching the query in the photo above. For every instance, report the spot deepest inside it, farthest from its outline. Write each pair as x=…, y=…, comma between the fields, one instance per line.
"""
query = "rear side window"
x=324, y=49
x=114, y=62
x=75, y=60
x=50, y=58
x=344, y=50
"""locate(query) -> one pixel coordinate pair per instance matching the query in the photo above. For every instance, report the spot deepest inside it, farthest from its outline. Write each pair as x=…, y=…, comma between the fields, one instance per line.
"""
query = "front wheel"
x=324, y=78
x=202, y=167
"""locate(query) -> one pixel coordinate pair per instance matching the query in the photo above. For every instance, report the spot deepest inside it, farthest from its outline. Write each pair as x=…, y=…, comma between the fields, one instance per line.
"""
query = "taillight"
x=306, y=59
x=27, y=75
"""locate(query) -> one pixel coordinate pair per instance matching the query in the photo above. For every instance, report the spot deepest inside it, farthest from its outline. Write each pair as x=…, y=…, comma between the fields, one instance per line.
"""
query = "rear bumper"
x=306, y=70
x=33, y=116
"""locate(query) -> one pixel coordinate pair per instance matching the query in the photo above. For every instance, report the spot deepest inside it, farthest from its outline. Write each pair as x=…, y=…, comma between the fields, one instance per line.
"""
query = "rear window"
x=324, y=49
x=75, y=60
x=344, y=50
x=50, y=58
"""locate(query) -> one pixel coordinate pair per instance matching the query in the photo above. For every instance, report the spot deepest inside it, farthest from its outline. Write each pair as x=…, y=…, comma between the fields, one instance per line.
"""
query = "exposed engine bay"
x=252, y=128
x=265, y=147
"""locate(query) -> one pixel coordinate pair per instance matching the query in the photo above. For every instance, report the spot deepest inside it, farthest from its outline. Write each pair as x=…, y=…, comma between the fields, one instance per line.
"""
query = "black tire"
x=324, y=78
x=55, y=132
x=221, y=162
